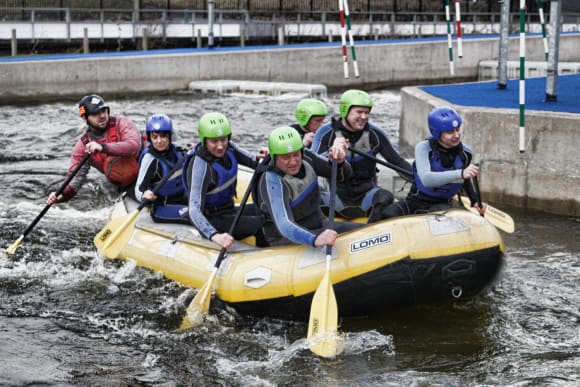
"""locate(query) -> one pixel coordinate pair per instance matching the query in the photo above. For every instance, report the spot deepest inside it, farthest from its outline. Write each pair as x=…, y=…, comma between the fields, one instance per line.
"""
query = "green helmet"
x=284, y=140
x=307, y=108
x=213, y=125
x=352, y=98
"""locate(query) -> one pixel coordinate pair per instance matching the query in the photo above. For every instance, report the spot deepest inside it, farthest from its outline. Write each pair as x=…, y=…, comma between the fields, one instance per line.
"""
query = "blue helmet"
x=159, y=123
x=443, y=119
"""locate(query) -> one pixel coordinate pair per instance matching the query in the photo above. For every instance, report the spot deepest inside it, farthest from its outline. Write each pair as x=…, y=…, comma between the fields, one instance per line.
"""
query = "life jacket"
x=222, y=195
x=447, y=191
x=120, y=170
x=174, y=186
x=364, y=169
x=305, y=196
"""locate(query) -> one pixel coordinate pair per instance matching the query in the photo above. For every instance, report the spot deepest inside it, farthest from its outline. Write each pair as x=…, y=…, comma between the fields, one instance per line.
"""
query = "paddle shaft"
x=401, y=170
x=332, y=201
x=58, y=192
x=161, y=183
x=241, y=208
x=477, y=191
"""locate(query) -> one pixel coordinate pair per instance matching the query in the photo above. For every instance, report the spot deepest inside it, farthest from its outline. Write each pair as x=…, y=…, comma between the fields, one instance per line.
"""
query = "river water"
x=70, y=317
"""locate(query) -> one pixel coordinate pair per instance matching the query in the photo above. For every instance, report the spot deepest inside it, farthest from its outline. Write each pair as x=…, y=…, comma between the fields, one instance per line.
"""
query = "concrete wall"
x=545, y=177
x=381, y=63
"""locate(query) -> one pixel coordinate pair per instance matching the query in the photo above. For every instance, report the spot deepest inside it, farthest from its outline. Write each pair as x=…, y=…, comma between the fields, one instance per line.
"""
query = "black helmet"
x=92, y=104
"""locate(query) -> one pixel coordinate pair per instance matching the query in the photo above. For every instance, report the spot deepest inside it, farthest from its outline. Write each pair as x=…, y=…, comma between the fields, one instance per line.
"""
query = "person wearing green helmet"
x=210, y=176
x=310, y=115
x=360, y=195
x=288, y=193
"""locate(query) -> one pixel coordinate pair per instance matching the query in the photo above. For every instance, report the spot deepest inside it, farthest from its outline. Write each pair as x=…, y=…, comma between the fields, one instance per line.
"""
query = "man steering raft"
x=113, y=142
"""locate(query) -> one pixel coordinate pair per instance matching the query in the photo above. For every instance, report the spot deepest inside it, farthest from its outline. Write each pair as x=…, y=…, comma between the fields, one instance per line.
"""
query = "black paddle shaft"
x=332, y=201
x=242, y=206
x=162, y=182
x=387, y=164
x=58, y=192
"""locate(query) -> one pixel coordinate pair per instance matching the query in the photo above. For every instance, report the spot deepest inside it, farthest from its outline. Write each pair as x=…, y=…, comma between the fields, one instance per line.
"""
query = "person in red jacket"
x=114, y=144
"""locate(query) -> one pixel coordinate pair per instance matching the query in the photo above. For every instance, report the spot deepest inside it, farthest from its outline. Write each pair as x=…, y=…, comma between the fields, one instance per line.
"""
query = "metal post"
x=145, y=40
x=503, y=44
x=136, y=10
x=85, y=40
x=68, y=24
x=242, y=35
x=164, y=23
x=210, y=17
x=14, y=45
x=198, y=38
x=280, y=34
x=552, y=73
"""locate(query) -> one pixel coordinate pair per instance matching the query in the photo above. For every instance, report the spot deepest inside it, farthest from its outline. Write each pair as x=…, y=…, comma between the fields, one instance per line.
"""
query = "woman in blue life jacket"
x=442, y=168
x=210, y=173
x=159, y=159
x=289, y=196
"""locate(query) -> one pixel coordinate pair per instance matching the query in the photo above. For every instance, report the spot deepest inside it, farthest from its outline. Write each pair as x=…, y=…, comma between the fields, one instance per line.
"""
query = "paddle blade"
x=199, y=306
x=496, y=217
x=111, y=239
x=323, y=324
x=12, y=248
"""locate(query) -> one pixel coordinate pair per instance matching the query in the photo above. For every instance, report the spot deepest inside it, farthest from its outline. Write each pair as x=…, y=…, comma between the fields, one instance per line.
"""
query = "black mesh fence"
x=277, y=6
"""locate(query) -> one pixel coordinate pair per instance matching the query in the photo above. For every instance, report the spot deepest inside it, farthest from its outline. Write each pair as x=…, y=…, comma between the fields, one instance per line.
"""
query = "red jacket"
x=122, y=138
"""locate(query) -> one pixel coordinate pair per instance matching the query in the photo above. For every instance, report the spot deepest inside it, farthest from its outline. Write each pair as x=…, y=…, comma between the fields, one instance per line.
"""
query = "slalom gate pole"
x=543, y=23
x=343, y=37
x=352, y=49
x=522, y=94
x=458, y=27
x=449, y=41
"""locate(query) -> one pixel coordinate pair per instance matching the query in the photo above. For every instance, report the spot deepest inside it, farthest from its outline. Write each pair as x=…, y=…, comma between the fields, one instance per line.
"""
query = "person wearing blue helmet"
x=158, y=160
x=442, y=168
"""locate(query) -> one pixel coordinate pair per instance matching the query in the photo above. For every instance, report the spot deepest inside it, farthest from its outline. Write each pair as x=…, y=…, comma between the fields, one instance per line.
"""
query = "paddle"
x=401, y=170
x=111, y=239
x=497, y=217
x=493, y=215
x=477, y=191
x=322, y=325
x=14, y=246
x=199, y=306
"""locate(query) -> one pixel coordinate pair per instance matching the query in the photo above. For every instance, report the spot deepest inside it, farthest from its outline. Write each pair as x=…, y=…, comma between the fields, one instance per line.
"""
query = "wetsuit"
x=291, y=204
x=360, y=195
x=438, y=176
x=211, y=187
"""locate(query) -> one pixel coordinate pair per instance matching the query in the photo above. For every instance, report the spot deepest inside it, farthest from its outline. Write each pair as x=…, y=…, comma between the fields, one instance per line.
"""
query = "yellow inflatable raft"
x=394, y=263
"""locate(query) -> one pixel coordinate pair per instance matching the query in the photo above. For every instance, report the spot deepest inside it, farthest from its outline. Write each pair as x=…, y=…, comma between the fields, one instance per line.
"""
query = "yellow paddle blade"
x=496, y=217
x=322, y=327
x=12, y=248
x=111, y=239
x=200, y=304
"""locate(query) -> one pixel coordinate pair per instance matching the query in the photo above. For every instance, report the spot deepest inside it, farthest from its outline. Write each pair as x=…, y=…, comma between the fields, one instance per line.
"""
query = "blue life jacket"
x=446, y=191
x=225, y=179
x=174, y=186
